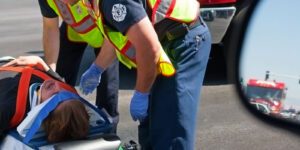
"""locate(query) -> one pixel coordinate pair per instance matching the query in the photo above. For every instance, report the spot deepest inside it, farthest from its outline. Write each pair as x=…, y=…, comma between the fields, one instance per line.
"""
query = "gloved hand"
x=90, y=79
x=139, y=106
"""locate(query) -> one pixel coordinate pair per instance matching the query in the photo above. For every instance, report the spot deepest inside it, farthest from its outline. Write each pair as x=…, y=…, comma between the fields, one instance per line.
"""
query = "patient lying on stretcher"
x=69, y=120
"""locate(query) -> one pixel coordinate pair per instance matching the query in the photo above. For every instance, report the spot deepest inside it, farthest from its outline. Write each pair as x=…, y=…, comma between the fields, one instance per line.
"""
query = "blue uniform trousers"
x=174, y=101
x=68, y=63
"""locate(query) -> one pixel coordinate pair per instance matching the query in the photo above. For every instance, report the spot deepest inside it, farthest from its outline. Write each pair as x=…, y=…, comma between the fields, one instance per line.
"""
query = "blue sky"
x=273, y=43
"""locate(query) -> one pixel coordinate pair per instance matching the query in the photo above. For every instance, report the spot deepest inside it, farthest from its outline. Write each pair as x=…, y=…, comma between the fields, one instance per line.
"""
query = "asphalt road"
x=223, y=123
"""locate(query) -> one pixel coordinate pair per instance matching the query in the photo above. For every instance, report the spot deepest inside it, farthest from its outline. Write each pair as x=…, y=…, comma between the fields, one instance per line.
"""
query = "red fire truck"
x=266, y=93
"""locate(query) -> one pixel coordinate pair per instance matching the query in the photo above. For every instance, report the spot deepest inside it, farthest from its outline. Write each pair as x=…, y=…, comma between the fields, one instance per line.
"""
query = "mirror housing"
x=233, y=47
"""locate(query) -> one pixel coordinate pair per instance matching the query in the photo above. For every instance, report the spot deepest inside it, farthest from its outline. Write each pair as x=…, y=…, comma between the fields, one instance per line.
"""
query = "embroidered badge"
x=119, y=12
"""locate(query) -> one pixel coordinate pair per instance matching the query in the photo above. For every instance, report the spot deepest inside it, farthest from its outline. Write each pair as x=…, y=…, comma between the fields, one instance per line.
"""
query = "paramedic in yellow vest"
x=64, y=46
x=165, y=34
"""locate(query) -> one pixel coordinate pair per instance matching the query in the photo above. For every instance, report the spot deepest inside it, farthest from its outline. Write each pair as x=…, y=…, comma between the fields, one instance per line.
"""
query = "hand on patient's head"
x=69, y=121
x=28, y=61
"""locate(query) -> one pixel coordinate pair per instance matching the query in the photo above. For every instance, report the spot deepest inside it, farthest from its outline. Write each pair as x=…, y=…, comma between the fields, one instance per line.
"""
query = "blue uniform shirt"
x=122, y=14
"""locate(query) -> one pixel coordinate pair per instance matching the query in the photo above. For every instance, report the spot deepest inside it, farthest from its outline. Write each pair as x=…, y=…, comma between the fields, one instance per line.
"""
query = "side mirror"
x=264, y=61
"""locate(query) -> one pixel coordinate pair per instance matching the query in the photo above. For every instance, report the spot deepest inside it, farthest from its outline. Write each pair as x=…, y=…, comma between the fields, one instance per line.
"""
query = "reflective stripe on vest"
x=165, y=66
x=84, y=28
x=23, y=89
x=179, y=10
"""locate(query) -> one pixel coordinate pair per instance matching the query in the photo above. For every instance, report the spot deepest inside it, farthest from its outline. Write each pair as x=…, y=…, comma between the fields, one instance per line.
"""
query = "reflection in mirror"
x=270, y=64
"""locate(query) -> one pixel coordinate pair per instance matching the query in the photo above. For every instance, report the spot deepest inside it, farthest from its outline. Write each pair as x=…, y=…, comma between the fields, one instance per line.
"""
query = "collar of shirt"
x=34, y=97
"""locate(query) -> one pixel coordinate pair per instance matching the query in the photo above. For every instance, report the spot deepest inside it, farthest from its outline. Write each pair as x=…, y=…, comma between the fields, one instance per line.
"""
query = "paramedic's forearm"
x=144, y=39
x=106, y=56
x=51, y=41
x=146, y=74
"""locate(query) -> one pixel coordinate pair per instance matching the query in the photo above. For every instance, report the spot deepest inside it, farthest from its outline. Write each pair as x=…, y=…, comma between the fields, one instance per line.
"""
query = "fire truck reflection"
x=267, y=96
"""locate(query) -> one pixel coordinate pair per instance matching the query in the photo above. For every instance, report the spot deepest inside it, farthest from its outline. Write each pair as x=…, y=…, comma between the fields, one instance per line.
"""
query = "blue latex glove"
x=90, y=79
x=139, y=106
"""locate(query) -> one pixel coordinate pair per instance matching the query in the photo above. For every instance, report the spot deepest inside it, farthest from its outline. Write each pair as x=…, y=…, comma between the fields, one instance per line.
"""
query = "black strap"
x=54, y=75
x=171, y=30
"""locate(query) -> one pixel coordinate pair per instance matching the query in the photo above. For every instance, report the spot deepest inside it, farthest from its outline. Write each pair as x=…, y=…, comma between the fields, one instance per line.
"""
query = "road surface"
x=223, y=123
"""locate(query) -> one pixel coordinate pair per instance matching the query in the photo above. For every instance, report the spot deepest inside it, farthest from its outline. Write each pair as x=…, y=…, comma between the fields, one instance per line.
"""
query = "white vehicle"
x=262, y=107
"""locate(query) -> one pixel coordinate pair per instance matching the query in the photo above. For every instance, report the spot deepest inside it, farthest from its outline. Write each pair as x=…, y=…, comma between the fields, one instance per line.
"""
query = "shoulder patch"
x=119, y=12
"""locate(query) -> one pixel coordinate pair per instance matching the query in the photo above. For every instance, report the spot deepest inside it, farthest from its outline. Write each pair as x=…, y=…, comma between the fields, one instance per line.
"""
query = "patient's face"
x=49, y=88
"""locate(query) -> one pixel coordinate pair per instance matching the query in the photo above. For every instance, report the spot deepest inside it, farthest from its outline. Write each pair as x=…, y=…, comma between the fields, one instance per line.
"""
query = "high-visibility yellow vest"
x=82, y=27
x=178, y=10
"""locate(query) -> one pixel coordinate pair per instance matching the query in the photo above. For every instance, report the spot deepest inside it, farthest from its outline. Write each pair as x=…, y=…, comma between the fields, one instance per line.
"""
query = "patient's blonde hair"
x=69, y=121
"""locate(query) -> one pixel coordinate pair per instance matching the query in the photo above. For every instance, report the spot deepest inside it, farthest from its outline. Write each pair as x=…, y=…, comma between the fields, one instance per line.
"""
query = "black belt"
x=178, y=30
